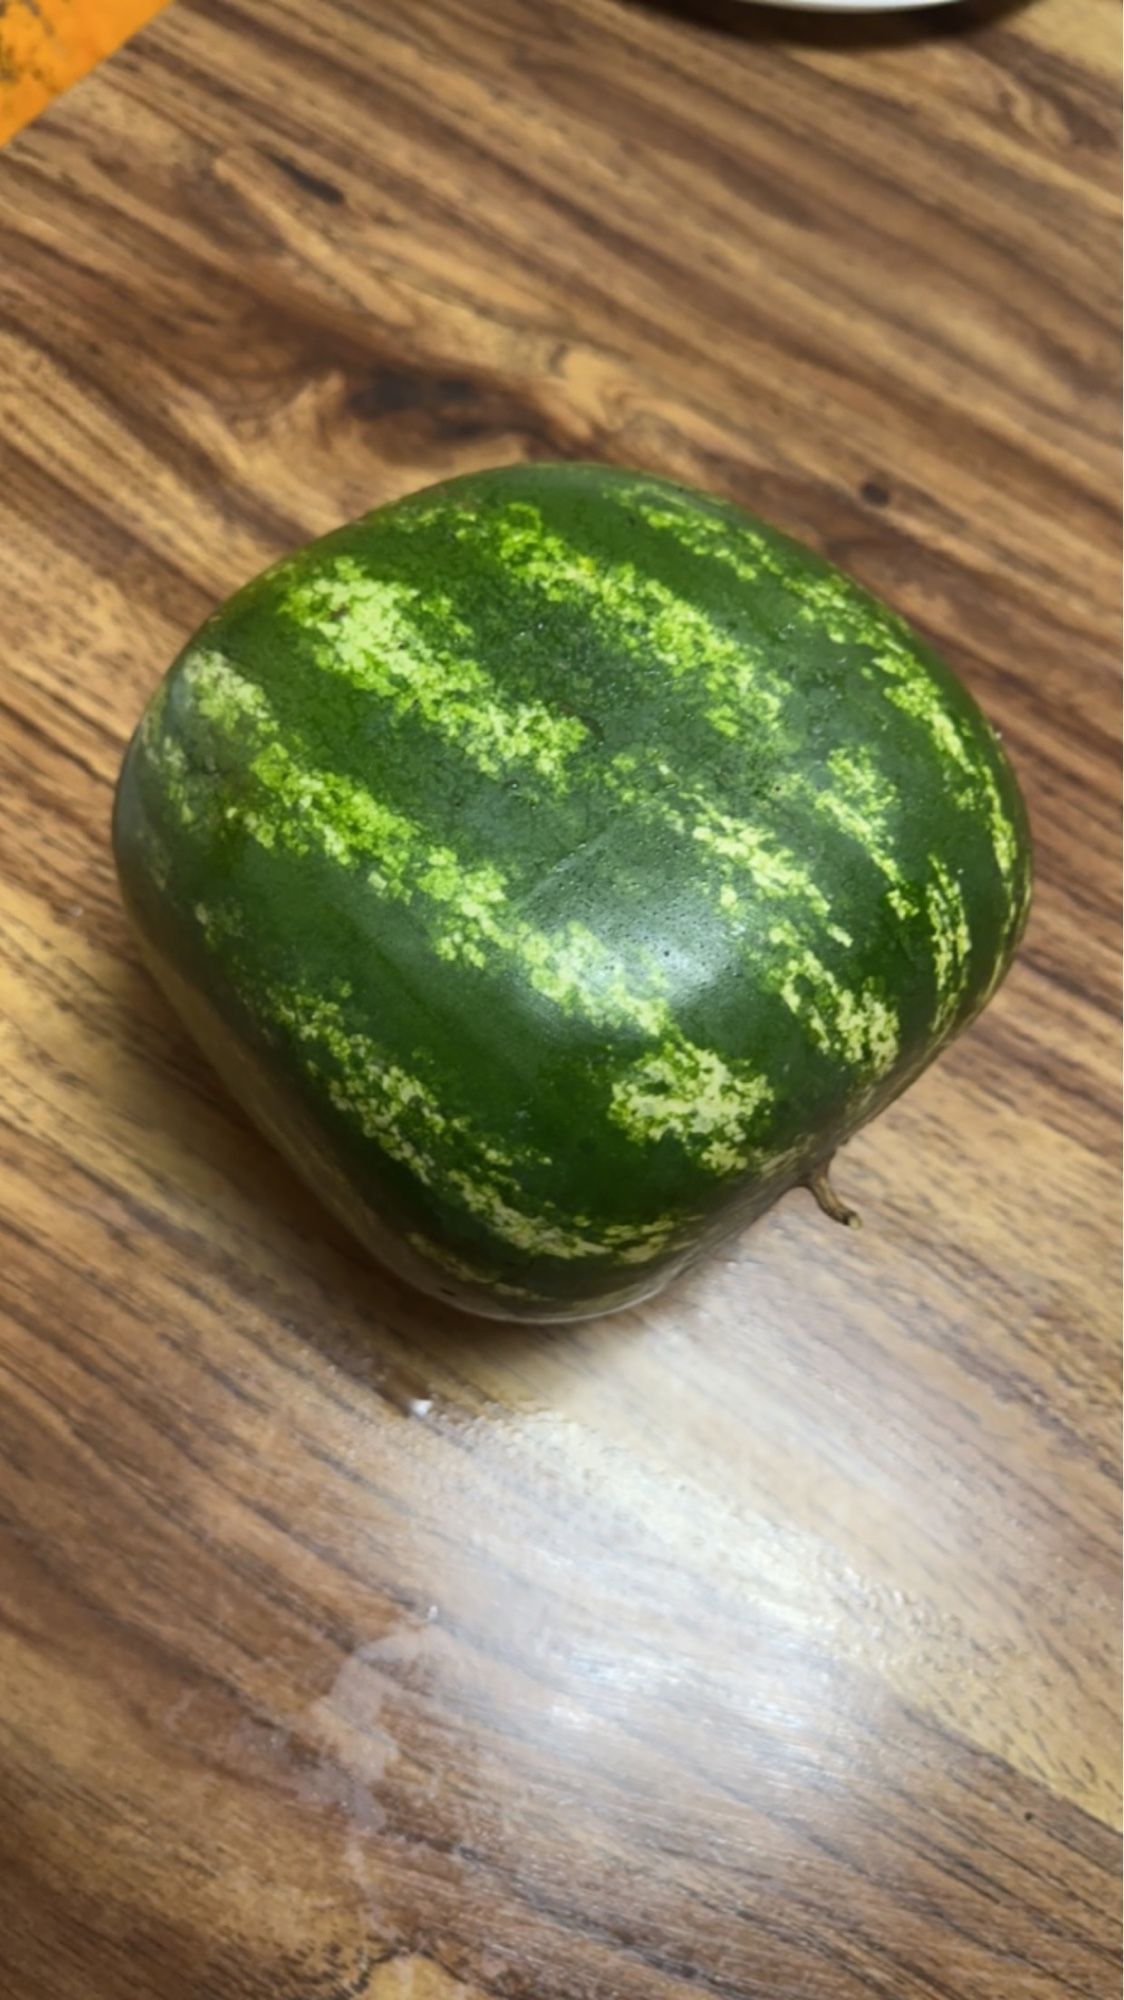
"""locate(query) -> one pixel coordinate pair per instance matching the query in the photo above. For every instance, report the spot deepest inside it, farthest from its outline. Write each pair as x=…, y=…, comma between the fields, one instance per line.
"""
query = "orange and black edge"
x=46, y=45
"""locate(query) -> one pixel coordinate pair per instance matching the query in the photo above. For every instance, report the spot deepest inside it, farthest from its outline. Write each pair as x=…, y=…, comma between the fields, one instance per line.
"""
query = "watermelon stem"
x=818, y=1184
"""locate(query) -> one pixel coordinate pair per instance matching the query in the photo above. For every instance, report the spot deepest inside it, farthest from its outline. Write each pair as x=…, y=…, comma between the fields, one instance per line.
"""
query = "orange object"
x=46, y=45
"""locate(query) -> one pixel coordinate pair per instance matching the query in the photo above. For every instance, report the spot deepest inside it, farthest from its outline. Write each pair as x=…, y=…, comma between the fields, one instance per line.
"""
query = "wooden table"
x=760, y=1643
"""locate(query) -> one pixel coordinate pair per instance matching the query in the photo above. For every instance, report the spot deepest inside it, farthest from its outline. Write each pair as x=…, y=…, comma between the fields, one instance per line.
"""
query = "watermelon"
x=559, y=865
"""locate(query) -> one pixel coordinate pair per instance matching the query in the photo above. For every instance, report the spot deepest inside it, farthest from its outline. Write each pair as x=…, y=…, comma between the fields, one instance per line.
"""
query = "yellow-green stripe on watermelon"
x=560, y=864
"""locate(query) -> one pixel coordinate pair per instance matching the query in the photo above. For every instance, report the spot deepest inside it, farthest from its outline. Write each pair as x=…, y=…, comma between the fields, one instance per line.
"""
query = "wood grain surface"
x=759, y=1644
